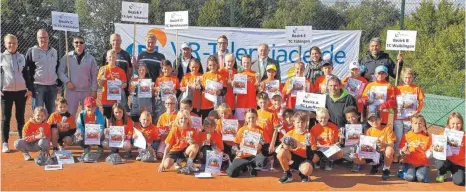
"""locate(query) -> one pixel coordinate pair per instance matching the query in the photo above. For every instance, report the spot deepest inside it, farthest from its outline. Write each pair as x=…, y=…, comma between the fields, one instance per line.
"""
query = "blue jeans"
x=416, y=173
x=45, y=95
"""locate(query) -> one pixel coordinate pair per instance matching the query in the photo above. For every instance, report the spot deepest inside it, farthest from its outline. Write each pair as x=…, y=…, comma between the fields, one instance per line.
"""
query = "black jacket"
x=336, y=108
x=382, y=59
x=180, y=68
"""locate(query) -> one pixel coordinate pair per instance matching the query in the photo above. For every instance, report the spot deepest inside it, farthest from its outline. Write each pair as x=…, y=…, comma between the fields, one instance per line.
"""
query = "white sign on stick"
x=309, y=101
x=62, y=21
x=298, y=35
x=401, y=40
x=176, y=20
x=135, y=12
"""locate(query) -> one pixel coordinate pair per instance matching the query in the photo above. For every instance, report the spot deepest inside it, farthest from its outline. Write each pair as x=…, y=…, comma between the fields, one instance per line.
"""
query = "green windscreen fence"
x=437, y=108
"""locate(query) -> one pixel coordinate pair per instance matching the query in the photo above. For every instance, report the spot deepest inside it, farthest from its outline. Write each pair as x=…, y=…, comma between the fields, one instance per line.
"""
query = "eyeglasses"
x=79, y=42
x=169, y=103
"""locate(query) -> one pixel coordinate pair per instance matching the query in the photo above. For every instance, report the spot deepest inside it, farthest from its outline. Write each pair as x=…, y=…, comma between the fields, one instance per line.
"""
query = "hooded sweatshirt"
x=336, y=106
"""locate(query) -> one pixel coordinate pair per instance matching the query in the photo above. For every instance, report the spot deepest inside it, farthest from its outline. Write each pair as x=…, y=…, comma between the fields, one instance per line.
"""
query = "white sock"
x=386, y=167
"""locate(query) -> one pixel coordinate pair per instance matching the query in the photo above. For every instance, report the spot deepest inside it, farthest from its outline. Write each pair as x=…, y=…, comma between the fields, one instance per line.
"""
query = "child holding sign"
x=413, y=147
x=90, y=115
x=321, y=82
x=182, y=142
x=225, y=113
x=63, y=125
x=454, y=162
x=355, y=83
x=294, y=84
x=166, y=85
x=385, y=144
x=270, y=85
x=410, y=101
x=149, y=131
x=36, y=134
x=300, y=153
x=213, y=77
x=326, y=135
x=249, y=138
x=210, y=139
x=247, y=100
x=119, y=118
x=268, y=121
x=189, y=82
x=228, y=72
x=112, y=79
x=140, y=103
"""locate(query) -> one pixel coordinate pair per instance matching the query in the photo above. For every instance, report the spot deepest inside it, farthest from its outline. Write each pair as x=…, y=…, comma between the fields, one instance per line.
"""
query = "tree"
x=213, y=13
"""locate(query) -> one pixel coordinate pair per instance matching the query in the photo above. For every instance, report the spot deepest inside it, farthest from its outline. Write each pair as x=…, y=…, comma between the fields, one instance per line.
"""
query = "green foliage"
x=213, y=13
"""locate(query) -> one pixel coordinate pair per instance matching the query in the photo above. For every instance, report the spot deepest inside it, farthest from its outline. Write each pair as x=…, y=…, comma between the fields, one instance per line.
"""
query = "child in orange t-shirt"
x=272, y=91
x=149, y=131
x=228, y=73
x=36, y=134
x=224, y=111
x=326, y=134
x=355, y=69
x=212, y=74
x=189, y=81
x=286, y=123
x=107, y=73
x=119, y=118
x=296, y=150
x=165, y=123
x=385, y=144
x=248, y=100
x=289, y=90
x=165, y=86
x=268, y=122
x=413, y=147
x=276, y=106
x=376, y=98
x=455, y=162
x=321, y=81
x=210, y=139
x=406, y=108
x=63, y=125
x=181, y=142
x=243, y=159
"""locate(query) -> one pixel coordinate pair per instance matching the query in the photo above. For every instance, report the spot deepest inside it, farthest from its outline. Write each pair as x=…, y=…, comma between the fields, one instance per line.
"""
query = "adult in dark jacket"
x=337, y=100
x=182, y=67
x=375, y=57
x=313, y=69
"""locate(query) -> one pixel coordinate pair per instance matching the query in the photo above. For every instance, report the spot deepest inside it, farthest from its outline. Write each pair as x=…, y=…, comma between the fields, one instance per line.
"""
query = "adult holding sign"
x=376, y=57
x=337, y=100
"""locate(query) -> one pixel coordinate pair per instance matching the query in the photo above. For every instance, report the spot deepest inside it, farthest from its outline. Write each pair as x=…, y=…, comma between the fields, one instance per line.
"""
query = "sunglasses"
x=79, y=42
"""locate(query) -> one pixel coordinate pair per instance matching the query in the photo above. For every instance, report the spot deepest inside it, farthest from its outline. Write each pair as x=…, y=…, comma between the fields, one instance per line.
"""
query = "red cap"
x=90, y=102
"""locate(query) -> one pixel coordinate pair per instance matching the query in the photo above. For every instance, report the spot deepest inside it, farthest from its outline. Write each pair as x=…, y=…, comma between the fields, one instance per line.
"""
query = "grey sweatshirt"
x=83, y=75
x=12, y=66
x=42, y=65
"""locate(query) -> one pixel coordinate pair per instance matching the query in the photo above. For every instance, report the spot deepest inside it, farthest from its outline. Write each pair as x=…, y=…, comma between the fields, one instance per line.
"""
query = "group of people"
x=149, y=94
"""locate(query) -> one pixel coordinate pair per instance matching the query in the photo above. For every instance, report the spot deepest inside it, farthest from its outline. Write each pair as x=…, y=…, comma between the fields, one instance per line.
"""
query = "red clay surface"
x=19, y=175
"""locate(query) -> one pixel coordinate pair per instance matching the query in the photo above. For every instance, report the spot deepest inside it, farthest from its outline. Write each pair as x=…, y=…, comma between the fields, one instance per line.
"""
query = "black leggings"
x=456, y=170
x=8, y=98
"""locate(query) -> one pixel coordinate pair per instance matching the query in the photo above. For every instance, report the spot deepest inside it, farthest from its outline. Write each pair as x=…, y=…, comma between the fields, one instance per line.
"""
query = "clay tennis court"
x=19, y=175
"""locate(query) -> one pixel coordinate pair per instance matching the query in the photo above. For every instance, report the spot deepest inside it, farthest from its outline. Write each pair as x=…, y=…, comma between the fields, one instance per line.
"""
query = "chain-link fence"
x=439, y=59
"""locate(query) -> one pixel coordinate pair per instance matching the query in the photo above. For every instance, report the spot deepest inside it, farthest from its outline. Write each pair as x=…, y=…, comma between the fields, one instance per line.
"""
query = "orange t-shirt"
x=277, y=112
x=165, y=122
x=365, y=82
x=32, y=128
x=213, y=76
x=267, y=121
x=190, y=79
x=239, y=137
x=327, y=135
x=215, y=137
x=411, y=89
x=321, y=83
x=287, y=128
x=418, y=144
x=150, y=132
x=172, y=78
x=55, y=117
x=385, y=134
x=390, y=95
x=460, y=158
x=291, y=100
x=178, y=138
x=90, y=119
x=110, y=73
x=229, y=96
x=128, y=126
x=301, y=151
x=248, y=100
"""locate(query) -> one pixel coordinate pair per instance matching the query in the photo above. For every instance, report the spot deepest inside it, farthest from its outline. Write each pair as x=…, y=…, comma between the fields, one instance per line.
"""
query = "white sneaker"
x=5, y=148
x=26, y=156
x=177, y=164
x=192, y=167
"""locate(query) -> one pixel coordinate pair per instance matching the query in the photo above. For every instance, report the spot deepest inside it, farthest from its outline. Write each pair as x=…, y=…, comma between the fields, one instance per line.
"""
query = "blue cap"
x=381, y=68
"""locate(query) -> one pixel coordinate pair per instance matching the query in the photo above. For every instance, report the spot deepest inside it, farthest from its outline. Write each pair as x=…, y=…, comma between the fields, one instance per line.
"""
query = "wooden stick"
x=176, y=53
x=66, y=54
x=396, y=68
x=134, y=41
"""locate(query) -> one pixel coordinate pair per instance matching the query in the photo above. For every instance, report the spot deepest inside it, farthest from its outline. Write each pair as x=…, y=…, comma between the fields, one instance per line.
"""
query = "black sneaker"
x=329, y=166
x=286, y=177
x=355, y=168
x=385, y=174
x=252, y=171
x=375, y=169
x=304, y=178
